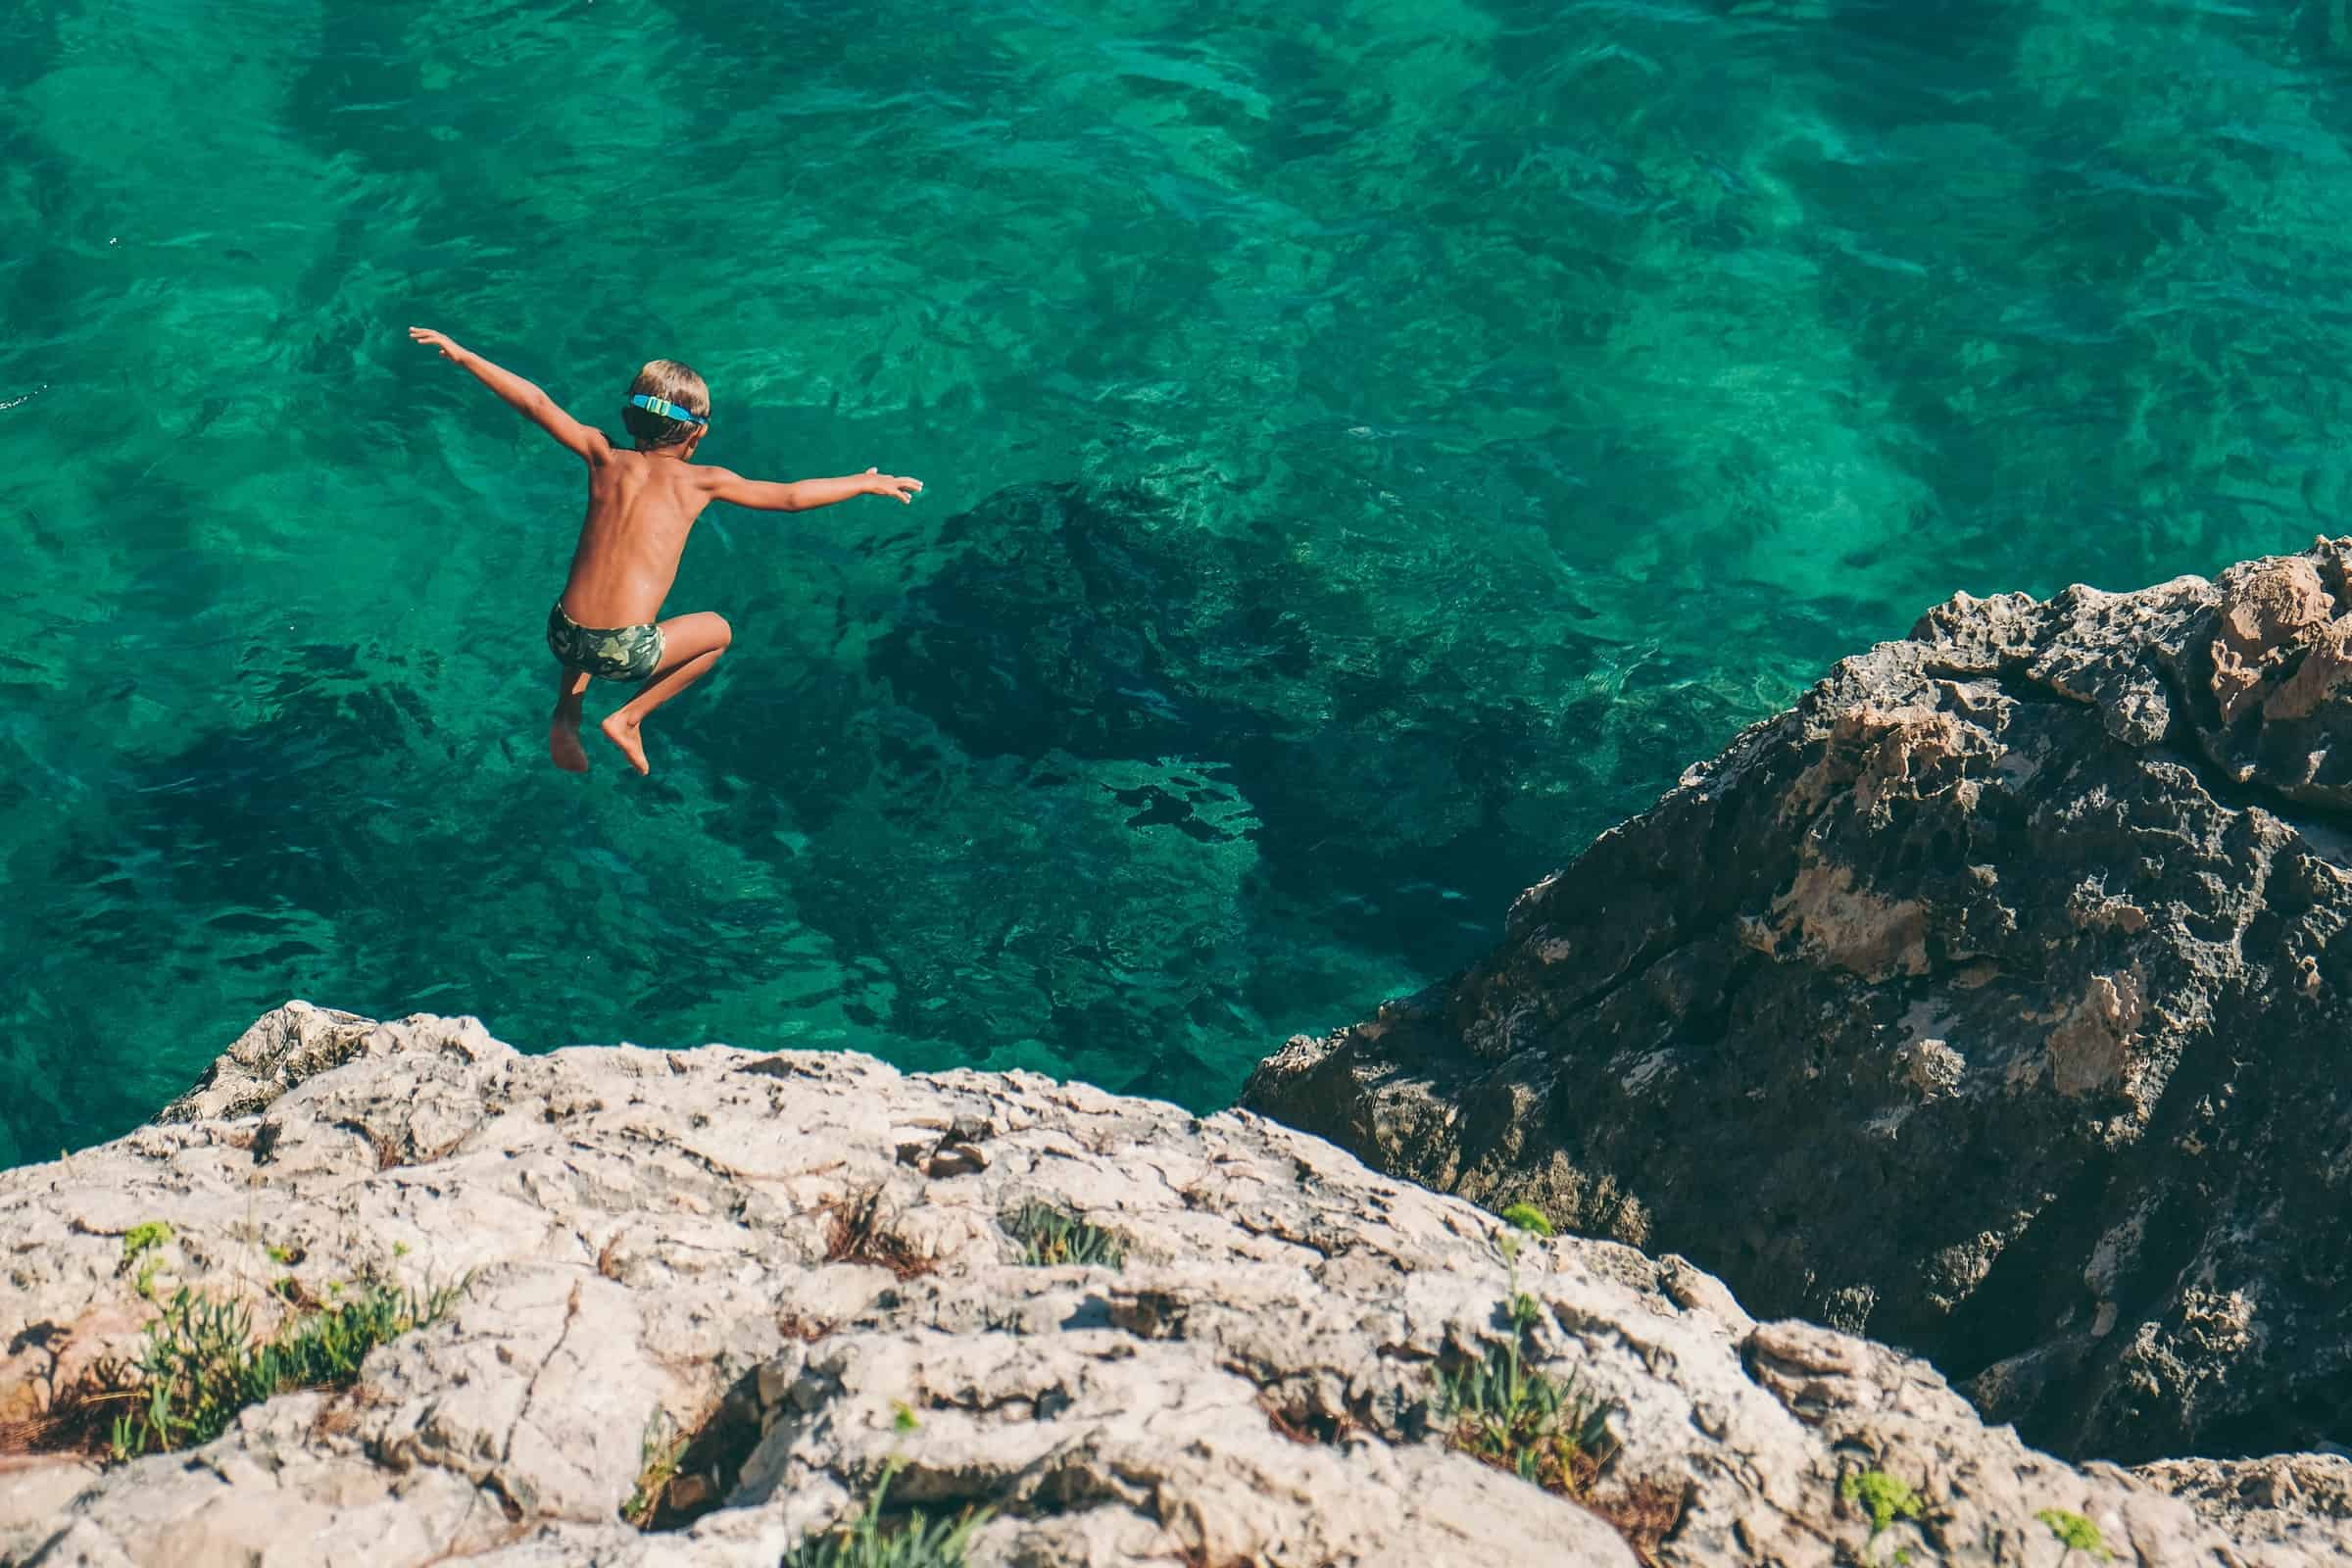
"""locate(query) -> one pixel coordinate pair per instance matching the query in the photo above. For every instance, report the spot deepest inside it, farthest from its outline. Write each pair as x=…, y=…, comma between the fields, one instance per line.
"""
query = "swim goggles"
x=667, y=409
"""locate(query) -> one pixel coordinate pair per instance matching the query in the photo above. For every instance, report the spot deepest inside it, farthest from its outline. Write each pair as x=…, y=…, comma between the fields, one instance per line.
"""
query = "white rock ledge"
x=644, y=1230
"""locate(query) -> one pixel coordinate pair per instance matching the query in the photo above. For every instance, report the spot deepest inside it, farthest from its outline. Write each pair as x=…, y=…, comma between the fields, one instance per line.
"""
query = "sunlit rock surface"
x=811, y=1246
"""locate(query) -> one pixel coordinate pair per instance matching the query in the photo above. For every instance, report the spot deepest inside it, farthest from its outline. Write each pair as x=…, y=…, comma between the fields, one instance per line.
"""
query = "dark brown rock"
x=1990, y=1001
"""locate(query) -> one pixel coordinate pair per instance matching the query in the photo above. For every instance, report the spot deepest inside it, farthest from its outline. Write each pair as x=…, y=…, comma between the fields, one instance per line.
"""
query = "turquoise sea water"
x=1371, y=448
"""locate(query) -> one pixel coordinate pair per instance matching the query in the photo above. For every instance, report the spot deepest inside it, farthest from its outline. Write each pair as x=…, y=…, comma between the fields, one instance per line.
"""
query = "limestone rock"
x=1990, y=1001
x=646, y=1238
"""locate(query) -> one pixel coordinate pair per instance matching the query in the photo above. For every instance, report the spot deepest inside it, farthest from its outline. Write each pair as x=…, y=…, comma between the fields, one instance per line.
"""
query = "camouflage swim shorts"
x=616, y=652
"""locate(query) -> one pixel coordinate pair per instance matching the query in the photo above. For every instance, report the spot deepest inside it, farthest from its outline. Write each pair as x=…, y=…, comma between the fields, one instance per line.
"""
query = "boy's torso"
x=639, y=510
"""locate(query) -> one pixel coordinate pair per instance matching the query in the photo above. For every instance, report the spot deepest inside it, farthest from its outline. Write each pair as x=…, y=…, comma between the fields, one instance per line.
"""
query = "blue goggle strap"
x=667, y=409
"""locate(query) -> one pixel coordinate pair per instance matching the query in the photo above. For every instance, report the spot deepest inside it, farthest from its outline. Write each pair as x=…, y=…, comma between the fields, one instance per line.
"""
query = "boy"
x=641, y=505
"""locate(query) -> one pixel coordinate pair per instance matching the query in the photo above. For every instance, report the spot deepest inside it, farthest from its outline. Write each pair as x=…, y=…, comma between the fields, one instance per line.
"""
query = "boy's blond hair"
x=672, y=382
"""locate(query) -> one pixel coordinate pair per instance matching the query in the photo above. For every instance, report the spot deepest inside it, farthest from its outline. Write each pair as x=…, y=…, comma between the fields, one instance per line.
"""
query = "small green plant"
x=145, y=1237
x=201, y=1363
x=1527, y=1217
x=1050, y=1237
x=1519, y=1418
x=141, y=1245
x=663, y=1445
x=281, y=1256
x=920, y=1541
x=1883, y=1497
x=2075, y=1534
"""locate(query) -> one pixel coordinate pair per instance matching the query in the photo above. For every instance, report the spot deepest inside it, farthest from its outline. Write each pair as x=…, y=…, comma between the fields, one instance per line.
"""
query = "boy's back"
x=641, y=505
x=640, y=509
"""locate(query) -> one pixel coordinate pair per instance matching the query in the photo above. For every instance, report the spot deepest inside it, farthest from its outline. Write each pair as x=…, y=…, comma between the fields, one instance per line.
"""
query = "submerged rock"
x=1990, y=1001
x=805, y=1259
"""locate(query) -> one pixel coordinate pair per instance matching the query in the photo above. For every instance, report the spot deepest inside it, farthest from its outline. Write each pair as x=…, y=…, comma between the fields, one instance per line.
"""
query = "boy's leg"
x=690, y=646
x=564, y=729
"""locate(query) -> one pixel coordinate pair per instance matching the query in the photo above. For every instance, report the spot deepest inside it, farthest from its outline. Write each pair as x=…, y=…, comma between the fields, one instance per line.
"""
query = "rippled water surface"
x=1371, y=446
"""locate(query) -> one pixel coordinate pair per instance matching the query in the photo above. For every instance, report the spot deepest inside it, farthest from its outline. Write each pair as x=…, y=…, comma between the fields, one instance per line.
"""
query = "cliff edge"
x=1991, y=1002
x=726, y=1293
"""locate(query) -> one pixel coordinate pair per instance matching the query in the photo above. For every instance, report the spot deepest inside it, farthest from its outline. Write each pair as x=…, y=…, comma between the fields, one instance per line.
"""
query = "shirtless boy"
x=641, y=505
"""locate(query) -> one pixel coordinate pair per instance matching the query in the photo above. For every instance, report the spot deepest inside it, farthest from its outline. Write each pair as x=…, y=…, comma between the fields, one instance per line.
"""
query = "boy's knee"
x=726, y=633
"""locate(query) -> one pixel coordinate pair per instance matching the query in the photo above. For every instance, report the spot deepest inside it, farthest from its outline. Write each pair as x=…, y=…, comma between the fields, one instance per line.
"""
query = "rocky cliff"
x=809, y=1269
x=1990, y=1001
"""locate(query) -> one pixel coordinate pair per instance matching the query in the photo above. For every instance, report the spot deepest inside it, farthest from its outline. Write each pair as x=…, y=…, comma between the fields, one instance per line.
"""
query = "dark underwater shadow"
x=1388, y=780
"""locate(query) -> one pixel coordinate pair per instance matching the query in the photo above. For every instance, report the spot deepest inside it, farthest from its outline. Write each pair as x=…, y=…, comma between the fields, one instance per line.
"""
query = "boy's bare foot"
x=623, y=733
x=563, y=746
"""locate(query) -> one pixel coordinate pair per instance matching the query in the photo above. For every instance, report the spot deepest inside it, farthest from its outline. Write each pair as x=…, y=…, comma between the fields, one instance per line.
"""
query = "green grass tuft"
x=1517, y=1418
x=919, y=1541
x=201, y=1363
x=1050, y=1237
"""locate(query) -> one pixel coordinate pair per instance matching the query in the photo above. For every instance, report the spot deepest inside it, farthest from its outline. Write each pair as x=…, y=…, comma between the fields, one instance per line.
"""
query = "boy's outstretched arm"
x=525, y=397
x=766, y=495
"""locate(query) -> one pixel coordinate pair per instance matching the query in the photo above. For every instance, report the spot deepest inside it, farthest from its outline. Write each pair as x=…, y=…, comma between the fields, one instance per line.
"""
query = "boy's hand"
x=878, y=483
x=439, y=340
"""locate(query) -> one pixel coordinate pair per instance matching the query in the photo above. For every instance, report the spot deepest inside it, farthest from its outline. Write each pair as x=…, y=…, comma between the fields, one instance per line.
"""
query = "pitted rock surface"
x=815, y=1240
x=1991, y=1002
